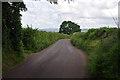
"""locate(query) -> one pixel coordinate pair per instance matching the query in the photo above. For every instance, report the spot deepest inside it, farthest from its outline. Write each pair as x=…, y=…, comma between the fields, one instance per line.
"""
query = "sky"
x=86, y=13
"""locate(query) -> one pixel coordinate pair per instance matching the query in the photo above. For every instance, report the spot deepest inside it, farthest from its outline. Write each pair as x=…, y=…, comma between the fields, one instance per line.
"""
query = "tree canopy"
x=11, y=25
x=68, y=27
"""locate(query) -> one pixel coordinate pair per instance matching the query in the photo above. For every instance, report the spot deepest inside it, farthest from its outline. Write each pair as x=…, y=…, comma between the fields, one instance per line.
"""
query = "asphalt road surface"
x=60, y=60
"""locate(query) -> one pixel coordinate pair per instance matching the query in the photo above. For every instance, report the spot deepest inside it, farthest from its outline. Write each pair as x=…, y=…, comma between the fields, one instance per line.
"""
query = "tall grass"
x=103, y=57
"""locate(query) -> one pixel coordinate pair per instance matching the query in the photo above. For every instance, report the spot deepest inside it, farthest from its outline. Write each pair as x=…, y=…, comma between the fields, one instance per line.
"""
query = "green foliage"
x=12, y=46
x=103, y=58
x=11, y=25
x=68, y=27
x=10, y=59
x=35, y=40
x=91, y=34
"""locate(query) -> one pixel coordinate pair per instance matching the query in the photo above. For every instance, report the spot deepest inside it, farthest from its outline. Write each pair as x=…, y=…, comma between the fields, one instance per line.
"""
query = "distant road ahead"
x=60, y=60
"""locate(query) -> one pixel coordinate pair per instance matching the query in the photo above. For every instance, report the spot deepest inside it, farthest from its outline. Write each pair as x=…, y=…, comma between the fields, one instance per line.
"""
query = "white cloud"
x=86, y=13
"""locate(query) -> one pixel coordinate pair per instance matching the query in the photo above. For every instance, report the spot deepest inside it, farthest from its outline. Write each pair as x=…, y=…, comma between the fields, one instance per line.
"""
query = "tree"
x=11, y=25
x=68, y=27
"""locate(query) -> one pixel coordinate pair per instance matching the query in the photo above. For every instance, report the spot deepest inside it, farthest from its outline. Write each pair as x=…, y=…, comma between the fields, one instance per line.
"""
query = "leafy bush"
x=103, y=57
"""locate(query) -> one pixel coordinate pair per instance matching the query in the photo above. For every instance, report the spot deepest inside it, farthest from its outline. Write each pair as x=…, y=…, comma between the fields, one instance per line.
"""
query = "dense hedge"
x=103, y=57
x=35, y=40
